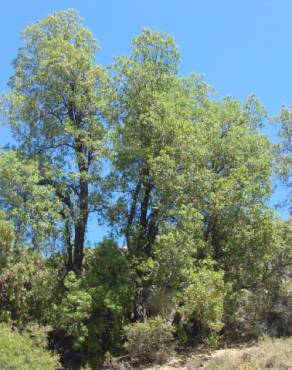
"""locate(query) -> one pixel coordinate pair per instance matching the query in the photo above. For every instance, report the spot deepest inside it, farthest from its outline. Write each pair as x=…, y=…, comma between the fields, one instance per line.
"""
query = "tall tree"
x=157, y=155
x=233, y=198
x=55, y=108
x=153, y=135
x=192, y=173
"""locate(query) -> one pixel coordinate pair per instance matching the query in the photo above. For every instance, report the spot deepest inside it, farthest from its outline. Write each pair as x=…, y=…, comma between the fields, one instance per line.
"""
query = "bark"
x=132, y=215
x=83, y=206
x=69, y=263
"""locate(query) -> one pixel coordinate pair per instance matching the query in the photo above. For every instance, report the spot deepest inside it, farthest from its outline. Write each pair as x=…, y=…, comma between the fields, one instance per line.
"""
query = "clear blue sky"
x=240, y=46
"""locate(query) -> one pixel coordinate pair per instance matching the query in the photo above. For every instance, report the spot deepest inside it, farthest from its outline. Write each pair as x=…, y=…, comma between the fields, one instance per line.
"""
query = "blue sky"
x=240, y=46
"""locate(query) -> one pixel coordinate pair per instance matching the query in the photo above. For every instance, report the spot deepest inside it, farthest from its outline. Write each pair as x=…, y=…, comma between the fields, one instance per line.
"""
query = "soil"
x=199, y=358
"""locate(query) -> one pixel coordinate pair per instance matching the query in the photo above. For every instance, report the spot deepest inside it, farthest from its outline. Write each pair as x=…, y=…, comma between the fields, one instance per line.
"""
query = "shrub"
x=73, y=310
x=253, y=313
x=149, y=341
x=202, y=299
x=22, y=352
x=27, y=289
x=110, y=283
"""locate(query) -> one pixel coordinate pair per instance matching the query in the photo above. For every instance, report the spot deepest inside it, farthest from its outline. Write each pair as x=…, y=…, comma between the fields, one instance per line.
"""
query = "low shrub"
x=149, y=341
x=23, y=352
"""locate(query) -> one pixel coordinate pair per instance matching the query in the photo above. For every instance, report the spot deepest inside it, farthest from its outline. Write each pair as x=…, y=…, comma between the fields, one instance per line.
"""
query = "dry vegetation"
x=266, y=354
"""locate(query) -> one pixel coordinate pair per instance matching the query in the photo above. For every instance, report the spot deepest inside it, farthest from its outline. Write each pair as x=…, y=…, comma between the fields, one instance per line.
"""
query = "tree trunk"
x=80, y=226
x=81, y=217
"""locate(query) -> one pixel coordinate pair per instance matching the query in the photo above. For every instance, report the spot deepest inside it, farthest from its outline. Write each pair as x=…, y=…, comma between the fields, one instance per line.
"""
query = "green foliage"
x=31, y=208
x=27, y=290
x=255, y=305
x=284, y=151
x=73, y=310
x=22, y=352
x=202, y=298
x=109, y=281
x=108, y=278
x=149, y=341
x=6, y=240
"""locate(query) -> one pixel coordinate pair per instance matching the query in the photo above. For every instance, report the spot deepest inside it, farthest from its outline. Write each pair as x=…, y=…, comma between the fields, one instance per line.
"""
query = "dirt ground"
x=199, y=359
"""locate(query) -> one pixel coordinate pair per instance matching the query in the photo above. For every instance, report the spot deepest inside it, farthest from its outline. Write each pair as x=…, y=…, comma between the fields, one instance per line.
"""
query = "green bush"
x=109, y=282
x=73, y=310
x=28, y=287
x=149, y=341
x=202, y=299
x=22, y=352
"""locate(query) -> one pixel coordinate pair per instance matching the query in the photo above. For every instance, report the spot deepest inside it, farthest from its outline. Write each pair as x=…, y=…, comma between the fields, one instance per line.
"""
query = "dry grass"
x=267, y=354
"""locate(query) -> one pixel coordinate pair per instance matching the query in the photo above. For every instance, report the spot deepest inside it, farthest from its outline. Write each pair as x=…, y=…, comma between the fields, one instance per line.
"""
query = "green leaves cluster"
x=27, y=288
x=73, y=310
x=32, y=208
x=21, y=352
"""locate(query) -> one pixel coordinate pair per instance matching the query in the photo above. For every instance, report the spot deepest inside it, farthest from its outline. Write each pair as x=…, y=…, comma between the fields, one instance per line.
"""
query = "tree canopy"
x=55, y=108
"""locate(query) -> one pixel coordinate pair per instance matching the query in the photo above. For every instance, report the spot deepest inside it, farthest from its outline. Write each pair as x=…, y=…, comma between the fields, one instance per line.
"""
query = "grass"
x=267, y=354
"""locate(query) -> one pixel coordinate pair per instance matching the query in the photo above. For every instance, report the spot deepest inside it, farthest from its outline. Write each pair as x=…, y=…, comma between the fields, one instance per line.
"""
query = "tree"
x=284, y=157
x=192, y=174
x=153, y=148
x=152, y=132
x=55, y=108
x=233, y=197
